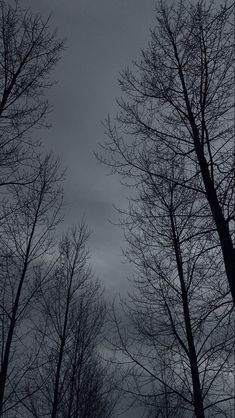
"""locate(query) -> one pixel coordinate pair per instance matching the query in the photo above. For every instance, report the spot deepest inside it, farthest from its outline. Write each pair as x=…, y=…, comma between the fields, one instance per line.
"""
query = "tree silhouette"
x=172, y=142
x=70, y=380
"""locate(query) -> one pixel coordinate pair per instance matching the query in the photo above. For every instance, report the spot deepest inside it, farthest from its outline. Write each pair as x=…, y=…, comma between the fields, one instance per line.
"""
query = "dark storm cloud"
x=103, y=36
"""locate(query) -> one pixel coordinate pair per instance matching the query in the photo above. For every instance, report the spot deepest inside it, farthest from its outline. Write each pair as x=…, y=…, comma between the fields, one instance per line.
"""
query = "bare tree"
x=28, y=53
x=29, y=220
x=70, y=380
x=173, y=142
x=180, y=337
x=35, y=286
x=180, y=102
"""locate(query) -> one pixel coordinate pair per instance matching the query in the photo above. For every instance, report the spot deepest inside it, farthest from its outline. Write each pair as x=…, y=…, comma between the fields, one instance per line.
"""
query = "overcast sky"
x=103, y=36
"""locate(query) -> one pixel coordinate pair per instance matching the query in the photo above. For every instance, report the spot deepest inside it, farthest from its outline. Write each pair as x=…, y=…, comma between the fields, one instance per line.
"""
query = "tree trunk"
x=225, y=238
x=228, y=250
x=197, y=395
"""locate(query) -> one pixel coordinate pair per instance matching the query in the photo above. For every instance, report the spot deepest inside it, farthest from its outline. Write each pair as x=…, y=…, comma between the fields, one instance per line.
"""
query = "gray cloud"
x=102, y=38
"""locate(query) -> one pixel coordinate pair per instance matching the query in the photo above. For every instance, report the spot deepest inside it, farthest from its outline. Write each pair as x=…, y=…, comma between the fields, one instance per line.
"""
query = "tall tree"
x=172, y=140
x=31, y=193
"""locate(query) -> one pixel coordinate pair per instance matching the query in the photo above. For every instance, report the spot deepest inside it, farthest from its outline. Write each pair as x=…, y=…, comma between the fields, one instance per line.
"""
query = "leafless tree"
x=26, y=235
x=173, y=142
x=28, y=53
x=180, y=338
x=179, y=101
x=71, y=380
x=37, y=285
